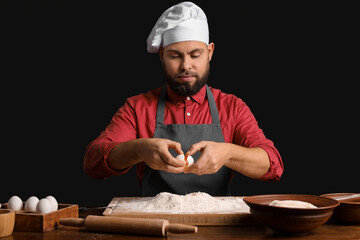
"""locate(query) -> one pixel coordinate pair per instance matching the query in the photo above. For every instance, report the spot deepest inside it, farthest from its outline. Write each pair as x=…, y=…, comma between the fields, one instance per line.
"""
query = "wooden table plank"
x=329, y=231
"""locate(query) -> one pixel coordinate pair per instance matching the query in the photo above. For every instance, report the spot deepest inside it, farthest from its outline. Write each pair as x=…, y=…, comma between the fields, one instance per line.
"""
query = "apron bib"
x=155, y=181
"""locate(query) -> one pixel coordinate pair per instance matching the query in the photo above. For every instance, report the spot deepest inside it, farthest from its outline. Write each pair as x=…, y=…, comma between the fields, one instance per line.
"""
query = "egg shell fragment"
x=181, y=157
x=189, y=159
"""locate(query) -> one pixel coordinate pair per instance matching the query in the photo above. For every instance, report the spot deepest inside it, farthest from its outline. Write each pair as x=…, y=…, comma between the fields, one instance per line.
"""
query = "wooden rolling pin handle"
x=180, y=228
x=157, y=227
x=75, y=222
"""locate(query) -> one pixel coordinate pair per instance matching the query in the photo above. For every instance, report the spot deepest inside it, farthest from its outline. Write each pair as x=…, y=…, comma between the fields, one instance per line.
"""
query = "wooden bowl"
x=7, y=222
x=349, y=210
x=291, y=220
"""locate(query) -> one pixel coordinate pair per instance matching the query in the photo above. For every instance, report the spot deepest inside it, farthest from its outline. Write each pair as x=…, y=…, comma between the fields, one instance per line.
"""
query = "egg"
x=53, y=202
x=181, y=157
x=30, y=204
x=43, y=206
x=15, y=203
x=189, y=159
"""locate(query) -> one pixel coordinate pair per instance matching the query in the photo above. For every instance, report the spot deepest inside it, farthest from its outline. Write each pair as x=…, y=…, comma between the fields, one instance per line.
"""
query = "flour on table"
x=190, y=203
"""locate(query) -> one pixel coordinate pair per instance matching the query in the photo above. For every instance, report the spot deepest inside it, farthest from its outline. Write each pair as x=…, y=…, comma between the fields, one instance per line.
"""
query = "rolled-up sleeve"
x=247, y=133
x=121, y=128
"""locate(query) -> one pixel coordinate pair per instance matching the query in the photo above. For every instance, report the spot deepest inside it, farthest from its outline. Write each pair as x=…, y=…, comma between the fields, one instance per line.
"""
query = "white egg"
x=190, y=159
x=15, y=203
x=43, y=206
x=53, y=202
x=30, y=204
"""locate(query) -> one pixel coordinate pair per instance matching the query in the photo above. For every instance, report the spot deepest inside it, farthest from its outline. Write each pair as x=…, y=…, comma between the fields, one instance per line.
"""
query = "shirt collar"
x=175, y=98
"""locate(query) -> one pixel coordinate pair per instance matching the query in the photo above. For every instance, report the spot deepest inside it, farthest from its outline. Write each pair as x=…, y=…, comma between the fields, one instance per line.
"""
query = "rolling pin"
x=143, y=226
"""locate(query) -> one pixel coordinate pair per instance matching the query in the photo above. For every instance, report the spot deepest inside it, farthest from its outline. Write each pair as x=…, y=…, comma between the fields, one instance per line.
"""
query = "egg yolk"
x=186, y=161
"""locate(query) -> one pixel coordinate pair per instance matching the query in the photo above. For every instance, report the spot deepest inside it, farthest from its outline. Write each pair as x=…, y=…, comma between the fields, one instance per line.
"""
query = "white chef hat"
x=182, y=22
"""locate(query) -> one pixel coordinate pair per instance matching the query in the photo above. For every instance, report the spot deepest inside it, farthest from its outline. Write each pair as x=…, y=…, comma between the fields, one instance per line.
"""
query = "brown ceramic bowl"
x=7, y=222
x=349, y=209
x=291, y=220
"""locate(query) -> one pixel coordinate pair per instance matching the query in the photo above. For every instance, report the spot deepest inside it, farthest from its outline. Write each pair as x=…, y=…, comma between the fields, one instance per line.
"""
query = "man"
x=183, y=117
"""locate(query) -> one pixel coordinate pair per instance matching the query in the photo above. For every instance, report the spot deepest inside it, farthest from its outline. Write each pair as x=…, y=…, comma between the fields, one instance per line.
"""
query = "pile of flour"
x=191, y=203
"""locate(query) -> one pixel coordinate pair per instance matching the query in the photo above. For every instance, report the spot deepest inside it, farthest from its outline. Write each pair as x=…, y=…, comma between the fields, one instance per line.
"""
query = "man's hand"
x=155, y=153
x=213, y=157
x=251, y=162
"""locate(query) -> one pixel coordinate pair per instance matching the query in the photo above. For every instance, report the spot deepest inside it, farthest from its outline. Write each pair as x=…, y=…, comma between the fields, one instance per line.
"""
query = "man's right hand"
x=153, y=151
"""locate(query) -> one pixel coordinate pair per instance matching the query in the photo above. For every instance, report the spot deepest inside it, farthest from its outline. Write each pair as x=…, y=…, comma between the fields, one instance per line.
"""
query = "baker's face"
x=186, y=65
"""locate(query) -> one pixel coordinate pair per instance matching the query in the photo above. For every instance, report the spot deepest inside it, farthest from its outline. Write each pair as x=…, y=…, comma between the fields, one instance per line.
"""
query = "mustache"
x=187, y=73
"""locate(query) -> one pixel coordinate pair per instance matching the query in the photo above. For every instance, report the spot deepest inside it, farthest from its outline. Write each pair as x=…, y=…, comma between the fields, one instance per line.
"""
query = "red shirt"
x=137, y=119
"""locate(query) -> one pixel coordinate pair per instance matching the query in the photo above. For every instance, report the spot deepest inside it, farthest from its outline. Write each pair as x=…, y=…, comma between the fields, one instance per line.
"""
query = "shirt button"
x=188, y=114
x=188, y=98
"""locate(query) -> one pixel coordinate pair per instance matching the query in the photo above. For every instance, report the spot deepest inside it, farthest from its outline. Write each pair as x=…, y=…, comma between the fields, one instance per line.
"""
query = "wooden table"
x=329, y=231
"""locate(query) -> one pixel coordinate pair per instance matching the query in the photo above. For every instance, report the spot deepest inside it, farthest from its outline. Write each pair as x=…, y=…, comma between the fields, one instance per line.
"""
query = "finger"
x=204, y=165
x=172, y=169
x=176, y=146
x=193, y=169
x=196, y=147
x=170, y=160
x=198, y=167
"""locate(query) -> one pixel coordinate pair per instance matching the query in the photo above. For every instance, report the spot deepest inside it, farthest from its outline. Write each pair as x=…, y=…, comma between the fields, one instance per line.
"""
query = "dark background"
x=69, y=65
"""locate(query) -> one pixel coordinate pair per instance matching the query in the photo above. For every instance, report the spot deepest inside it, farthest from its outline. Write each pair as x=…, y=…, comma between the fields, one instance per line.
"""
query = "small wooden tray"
x=199, y=219
x=35, y=222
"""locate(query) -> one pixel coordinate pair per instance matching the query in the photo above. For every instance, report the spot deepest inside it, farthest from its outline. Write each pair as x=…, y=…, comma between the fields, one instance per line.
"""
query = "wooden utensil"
x=143, y=226
x=240, y=216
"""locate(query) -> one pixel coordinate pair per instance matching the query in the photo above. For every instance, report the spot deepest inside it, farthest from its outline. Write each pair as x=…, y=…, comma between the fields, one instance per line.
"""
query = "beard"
x=185, y=88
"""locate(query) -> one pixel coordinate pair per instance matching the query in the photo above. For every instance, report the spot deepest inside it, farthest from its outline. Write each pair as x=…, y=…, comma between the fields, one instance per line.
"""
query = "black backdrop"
x=69, y=65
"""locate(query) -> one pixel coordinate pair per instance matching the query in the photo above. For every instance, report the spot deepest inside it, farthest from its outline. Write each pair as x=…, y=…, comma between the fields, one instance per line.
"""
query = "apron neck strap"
x=160, y=113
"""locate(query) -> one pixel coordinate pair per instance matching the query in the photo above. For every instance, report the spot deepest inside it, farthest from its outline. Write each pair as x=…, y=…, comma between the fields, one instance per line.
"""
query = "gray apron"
x=155, y=181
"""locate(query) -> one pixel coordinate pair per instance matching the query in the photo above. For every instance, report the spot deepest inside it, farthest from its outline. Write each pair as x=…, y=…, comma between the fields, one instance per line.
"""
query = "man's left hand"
x=213, y=157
